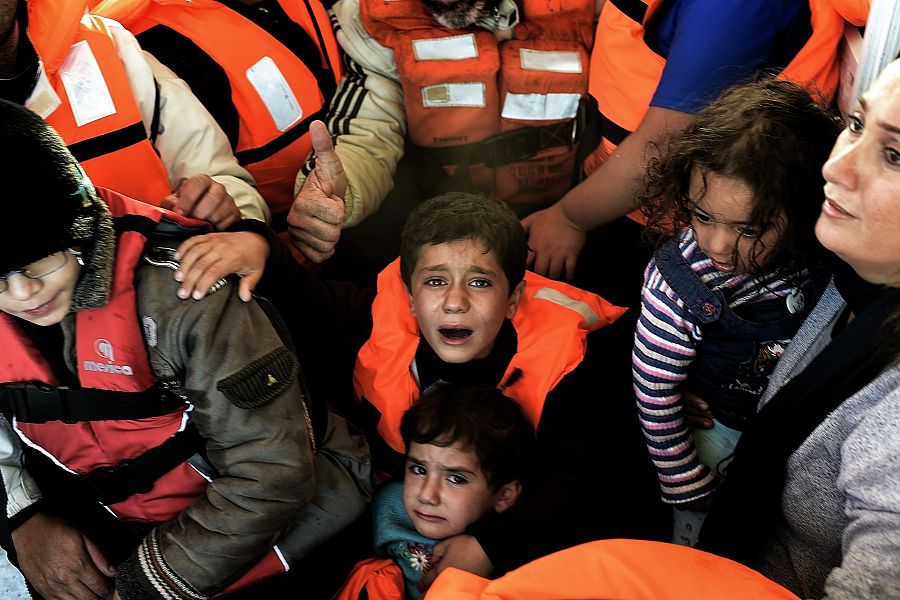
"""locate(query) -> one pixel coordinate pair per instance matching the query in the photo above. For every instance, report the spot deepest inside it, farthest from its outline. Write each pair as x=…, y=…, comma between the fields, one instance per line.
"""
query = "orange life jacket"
x=552, y=322
x=625, y=71
x=621, y=569
x=99, y=118
x=855, y=12
x=504, y=111
x=373, y=579
x=275, y=92
x=111, y=355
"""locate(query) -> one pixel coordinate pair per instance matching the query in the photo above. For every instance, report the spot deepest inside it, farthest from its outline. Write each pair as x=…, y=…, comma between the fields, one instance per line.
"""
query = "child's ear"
x=514, y=299
x=507, y=495
x=412, y=305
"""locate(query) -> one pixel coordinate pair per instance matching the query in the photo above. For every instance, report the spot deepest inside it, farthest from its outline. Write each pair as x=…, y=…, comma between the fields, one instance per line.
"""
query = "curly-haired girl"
x=733, y=203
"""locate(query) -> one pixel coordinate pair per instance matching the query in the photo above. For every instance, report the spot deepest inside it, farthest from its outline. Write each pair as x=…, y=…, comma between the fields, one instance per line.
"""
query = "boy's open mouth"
x=456, y=333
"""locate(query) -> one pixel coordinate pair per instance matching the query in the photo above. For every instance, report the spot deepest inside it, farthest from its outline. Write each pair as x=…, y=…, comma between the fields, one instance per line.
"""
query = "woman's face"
x=860, y=219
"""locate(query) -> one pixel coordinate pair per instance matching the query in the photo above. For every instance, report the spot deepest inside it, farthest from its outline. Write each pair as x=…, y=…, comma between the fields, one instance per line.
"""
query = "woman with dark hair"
x=813, y=494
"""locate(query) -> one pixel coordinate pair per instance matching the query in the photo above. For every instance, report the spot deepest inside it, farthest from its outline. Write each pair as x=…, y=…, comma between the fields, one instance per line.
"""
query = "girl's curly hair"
x=770, y=135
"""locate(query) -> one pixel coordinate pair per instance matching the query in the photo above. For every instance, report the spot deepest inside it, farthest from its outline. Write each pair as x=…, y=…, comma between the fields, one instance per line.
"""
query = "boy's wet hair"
x=768, y=134
x=482, y=420
x=458, y=216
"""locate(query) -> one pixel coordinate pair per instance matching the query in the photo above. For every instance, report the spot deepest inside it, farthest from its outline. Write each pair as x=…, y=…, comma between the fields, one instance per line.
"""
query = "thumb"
x=247, y=285
x=329, y=169
x=97, y=557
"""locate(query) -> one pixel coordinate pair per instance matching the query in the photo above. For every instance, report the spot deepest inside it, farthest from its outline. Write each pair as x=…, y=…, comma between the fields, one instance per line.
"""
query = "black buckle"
x=110, y=485
x=39, y=403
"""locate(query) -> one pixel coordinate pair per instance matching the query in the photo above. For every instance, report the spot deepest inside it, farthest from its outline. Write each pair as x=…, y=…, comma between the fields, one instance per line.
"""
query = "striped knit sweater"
x=666, y=342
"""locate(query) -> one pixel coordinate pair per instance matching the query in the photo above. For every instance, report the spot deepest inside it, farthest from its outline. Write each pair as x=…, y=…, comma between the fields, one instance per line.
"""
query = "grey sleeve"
x=248, y=405
x=870, y=478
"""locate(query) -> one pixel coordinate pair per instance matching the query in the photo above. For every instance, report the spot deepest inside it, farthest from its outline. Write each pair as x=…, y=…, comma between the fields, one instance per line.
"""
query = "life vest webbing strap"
x=255, y=155
x=612, y=131
x=110, y=485
x=633, y=9
x=139, y=223
x=509, y=146
x=270, y=16
x=108, y=143
x=35, y=403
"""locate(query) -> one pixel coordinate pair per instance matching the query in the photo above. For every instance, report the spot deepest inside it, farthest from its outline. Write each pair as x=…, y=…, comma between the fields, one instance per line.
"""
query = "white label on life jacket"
x=550, y=60
x=454, y=94
x=275, y=92
x=540, y=107
x=457, y=47
x=87, y=90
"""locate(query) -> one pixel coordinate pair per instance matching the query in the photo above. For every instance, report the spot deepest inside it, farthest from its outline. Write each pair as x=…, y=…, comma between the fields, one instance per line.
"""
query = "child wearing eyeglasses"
x=149, y=446
x=732, y=205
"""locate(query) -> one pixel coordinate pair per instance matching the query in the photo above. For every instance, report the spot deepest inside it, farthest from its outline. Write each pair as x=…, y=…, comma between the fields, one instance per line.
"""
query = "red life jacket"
x=552, y=322
x=275, y=92
x=505, y=109
x=99, y=118
x=111, y=355
x=625, y=71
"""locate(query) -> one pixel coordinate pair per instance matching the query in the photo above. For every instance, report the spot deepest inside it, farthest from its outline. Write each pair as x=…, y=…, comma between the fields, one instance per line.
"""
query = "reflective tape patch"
x=84, y=83
x=540, y=107
x=552, y=61
x=454, y=94
x=457, y=47
x=557, y=297
x=276, y=94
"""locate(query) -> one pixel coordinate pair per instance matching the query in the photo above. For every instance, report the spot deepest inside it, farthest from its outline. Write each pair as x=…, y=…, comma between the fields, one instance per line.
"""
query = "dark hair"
x=457, y=216
x=772, y=136
x=482, y=419
x=50, y=203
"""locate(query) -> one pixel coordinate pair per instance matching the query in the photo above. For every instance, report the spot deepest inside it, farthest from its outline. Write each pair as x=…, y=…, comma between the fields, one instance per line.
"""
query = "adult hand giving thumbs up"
x=317, y=214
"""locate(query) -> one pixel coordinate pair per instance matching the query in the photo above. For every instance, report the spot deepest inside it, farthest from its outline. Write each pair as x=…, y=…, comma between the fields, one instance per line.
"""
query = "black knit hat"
x=49, y=203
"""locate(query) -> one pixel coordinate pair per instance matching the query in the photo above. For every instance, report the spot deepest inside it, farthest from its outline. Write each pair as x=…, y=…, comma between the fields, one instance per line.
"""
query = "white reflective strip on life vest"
x=284, y=562
x=557, y=297
x=540, y=107
x=553, y=61
x=275, y=92
x=87, y=90
x=457, y=47
x=31, y=444
x=454, y=94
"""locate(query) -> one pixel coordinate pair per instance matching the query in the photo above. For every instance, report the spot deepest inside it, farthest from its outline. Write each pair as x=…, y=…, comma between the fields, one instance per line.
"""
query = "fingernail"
x=183, y=293
x=179, y=276
x=197, y=294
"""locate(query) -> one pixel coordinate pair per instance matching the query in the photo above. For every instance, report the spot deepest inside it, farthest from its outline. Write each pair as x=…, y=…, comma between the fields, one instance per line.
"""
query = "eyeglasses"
x=43, y=267
x=704, y=218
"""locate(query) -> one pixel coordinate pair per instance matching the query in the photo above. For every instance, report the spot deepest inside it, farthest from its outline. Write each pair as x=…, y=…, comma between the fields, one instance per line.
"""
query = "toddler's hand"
x=207, y=258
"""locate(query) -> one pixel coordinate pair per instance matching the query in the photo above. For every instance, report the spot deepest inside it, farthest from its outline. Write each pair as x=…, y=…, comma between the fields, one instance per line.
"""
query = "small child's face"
x=459, y=296
x=720, y=221
x=42, y=300
x=444, y=490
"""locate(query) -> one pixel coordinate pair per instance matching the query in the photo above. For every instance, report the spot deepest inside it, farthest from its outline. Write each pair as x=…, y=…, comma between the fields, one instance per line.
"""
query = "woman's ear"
x=507, y=495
